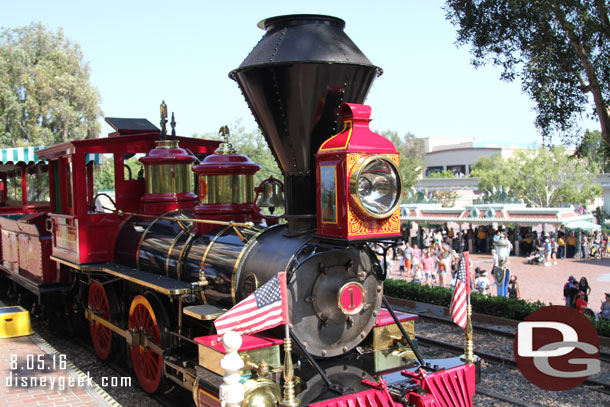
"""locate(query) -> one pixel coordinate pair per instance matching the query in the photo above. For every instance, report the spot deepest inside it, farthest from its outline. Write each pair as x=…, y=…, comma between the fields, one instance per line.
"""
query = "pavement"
x=33, y=373
x=541, y=283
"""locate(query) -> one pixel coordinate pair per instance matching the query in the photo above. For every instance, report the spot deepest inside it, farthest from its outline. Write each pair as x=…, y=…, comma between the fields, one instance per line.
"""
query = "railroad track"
x=493, y=358
x=603, y=355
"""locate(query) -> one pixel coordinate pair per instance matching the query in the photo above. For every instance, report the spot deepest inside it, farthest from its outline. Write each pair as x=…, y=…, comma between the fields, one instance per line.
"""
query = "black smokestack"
x=294, y=81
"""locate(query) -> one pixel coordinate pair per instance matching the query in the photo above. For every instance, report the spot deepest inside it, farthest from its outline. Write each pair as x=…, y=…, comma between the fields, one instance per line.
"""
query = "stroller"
x=536, y=257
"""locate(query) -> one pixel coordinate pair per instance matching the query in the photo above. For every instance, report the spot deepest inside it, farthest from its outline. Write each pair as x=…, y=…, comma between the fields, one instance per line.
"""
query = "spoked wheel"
x=148, y=316
x=103, y=303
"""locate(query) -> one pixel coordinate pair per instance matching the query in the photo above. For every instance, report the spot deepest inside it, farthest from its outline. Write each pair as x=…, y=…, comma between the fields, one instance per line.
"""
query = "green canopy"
x=9, y=157
x=582, y=225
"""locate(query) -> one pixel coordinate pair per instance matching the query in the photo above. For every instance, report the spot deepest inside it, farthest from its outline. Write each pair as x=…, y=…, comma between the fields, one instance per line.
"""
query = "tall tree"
x=541, y=178
x=45, y=94
x=593, y=149
x=412, y=156
x=560, y=50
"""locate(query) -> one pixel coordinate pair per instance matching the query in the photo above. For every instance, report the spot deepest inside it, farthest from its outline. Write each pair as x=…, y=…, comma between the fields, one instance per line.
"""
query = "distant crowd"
x=576, y=295
x=547, y=249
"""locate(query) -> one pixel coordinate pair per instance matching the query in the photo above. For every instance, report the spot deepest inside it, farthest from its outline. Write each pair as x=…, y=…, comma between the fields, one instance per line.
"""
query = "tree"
x=412, y=156
x=441, y=174
x=541, y=178
x=593, y=149
x=45, y=94
x=560, y=50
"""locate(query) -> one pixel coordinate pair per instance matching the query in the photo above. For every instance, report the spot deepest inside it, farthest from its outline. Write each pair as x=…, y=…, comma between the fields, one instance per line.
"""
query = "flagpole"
x=289, y=399
x=468, y=332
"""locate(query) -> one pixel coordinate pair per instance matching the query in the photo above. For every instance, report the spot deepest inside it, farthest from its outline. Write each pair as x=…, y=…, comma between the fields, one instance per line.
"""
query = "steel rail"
x=591, y=383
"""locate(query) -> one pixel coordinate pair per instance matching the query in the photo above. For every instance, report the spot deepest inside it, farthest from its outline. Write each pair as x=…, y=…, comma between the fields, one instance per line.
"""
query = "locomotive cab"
x=84, y=230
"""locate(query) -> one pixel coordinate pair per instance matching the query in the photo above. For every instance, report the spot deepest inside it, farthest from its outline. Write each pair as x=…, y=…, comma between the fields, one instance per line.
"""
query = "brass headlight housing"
x=375, y=186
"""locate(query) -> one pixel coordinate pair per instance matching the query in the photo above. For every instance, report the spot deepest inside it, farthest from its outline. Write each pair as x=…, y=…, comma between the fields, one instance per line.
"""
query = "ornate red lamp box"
x=358, y=181
x=169, y=179
x=226, y=187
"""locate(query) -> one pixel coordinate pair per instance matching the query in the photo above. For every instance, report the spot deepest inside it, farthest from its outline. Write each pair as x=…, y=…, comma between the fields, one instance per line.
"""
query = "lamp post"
x=501, y=272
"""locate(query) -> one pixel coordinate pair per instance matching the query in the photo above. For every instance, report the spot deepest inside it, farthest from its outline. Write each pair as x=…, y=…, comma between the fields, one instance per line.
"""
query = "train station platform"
x=33, y=373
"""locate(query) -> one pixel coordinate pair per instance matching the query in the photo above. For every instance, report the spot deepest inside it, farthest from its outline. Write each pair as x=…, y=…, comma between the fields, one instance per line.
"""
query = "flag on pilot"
x=459, y=300
x=265, y=308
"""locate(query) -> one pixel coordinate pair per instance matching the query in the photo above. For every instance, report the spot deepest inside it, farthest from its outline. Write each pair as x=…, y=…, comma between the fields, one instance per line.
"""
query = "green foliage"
x=45, y=94
x=103, y=175
x=502, y=307
x=558, y=49
x=603, y=327
x=593, y=149
x=441, y=174
x=252, y=144
x=497, y=306
x=541, y=178
x=412, y=156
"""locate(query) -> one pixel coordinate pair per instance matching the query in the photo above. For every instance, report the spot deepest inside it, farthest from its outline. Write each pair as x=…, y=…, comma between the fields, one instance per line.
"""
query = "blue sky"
x=141, y=52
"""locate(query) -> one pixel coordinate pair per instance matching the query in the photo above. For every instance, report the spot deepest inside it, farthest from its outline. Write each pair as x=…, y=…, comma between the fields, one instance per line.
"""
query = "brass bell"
x=272, y=194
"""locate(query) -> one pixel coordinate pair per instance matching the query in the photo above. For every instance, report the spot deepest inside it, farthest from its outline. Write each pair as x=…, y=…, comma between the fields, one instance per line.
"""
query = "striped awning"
x=28, y=155
x=20, y=154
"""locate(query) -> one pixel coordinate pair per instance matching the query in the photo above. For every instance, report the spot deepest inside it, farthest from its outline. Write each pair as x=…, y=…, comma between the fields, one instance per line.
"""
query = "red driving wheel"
x=100, y=302
x=147, y=315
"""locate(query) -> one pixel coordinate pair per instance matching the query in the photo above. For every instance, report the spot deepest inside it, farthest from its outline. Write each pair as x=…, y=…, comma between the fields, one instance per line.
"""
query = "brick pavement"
x=545, y=284
x=32, y=373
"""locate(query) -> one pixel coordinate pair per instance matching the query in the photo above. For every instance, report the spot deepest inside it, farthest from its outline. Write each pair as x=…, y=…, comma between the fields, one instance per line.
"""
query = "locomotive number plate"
x=351, y=298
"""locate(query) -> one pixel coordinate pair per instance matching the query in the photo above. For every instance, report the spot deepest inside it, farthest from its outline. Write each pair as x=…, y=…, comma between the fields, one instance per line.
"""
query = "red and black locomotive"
x=182, y=241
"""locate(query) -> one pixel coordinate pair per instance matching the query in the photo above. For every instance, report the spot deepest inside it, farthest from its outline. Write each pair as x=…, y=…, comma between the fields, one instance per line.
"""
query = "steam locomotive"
x=156, y=264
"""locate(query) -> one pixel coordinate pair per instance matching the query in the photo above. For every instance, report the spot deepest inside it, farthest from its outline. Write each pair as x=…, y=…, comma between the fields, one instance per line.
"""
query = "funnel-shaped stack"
x=294, y=80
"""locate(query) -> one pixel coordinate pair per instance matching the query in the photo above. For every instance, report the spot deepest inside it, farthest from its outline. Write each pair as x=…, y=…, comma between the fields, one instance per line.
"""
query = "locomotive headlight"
x=375, y=186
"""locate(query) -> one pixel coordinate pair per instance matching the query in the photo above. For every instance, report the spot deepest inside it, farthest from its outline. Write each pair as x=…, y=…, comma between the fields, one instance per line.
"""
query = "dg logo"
x=556, y=348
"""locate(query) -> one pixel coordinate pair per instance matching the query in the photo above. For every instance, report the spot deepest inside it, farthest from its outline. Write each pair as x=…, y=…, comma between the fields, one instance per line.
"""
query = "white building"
x=459, y=154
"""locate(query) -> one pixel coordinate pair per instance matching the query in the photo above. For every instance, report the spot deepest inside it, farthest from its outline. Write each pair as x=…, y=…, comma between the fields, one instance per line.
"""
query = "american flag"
x=265, y=308
x=459, y=300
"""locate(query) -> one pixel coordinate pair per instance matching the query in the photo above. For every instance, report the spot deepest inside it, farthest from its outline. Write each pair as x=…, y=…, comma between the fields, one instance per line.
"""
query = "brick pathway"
x=29, y=360
x=542, y=283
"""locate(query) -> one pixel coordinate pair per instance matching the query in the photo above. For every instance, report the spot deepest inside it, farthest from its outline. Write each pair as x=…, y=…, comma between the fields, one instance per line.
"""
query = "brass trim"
x=196, y=391
x=353, y=185
x=207, y=249
x=340, y=293
x=159, y=289
x=247, y=245
x=185, y=248
x=228, y=189
x=248, y=225
x=169, y=253
x=141, y=240
x=66, y=262
x=169, y=178
x=207, y=317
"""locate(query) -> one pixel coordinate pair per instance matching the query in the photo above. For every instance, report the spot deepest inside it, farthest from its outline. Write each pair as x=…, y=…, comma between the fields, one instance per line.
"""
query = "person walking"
x=570, y=289
x=481, y=283
x=400, y=258
x=583, y=245
x=408, y=254
x=428, y=263
x=561, y=247
x=583, y=285
x=554, y=251
x=444, y=267
x=513, y=288
x=548, y=252
x=571, y=245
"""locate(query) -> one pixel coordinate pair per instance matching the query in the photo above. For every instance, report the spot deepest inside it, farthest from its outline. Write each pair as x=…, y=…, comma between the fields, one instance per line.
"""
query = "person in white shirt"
x=481, y=283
